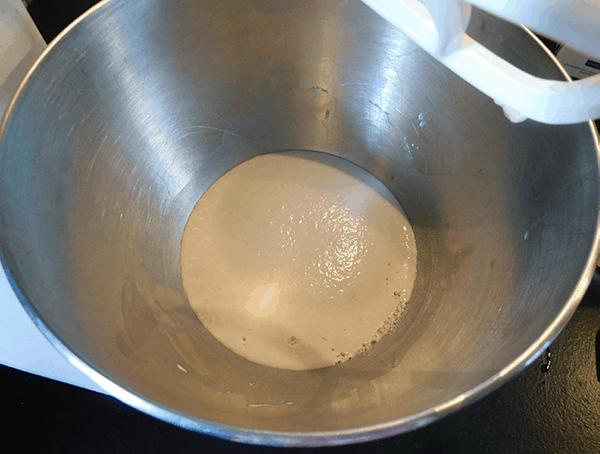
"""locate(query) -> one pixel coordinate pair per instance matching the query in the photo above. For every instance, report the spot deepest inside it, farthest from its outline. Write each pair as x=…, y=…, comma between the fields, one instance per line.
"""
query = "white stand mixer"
x=439, y=27
x=22, y=345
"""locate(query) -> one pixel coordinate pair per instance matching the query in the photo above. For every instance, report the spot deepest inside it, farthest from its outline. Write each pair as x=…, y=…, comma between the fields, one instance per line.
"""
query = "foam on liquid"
x=298, y=260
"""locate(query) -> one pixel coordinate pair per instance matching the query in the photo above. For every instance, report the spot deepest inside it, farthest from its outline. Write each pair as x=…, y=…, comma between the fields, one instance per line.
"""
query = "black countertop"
x=548, y=408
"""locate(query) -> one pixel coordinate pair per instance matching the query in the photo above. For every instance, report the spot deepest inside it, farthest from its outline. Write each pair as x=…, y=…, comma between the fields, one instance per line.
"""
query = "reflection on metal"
x=547, y=362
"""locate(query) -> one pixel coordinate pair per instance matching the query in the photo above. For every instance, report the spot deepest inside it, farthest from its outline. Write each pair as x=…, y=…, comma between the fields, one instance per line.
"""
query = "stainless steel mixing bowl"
x=141, y=105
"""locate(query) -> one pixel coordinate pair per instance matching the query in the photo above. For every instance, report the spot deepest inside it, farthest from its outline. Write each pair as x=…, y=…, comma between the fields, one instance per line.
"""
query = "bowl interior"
x=141, y=106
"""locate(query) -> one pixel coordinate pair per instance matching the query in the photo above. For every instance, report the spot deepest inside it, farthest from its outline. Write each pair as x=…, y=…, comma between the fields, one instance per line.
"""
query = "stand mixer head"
x=439, y=27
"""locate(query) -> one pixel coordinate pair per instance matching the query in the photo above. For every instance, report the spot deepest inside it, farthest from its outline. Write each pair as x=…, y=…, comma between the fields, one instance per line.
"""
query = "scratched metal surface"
x=538, y=412
x=538, y=152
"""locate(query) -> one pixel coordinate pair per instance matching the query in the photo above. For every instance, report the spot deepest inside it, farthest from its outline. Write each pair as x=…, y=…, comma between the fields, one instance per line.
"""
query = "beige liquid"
x=298, y=260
